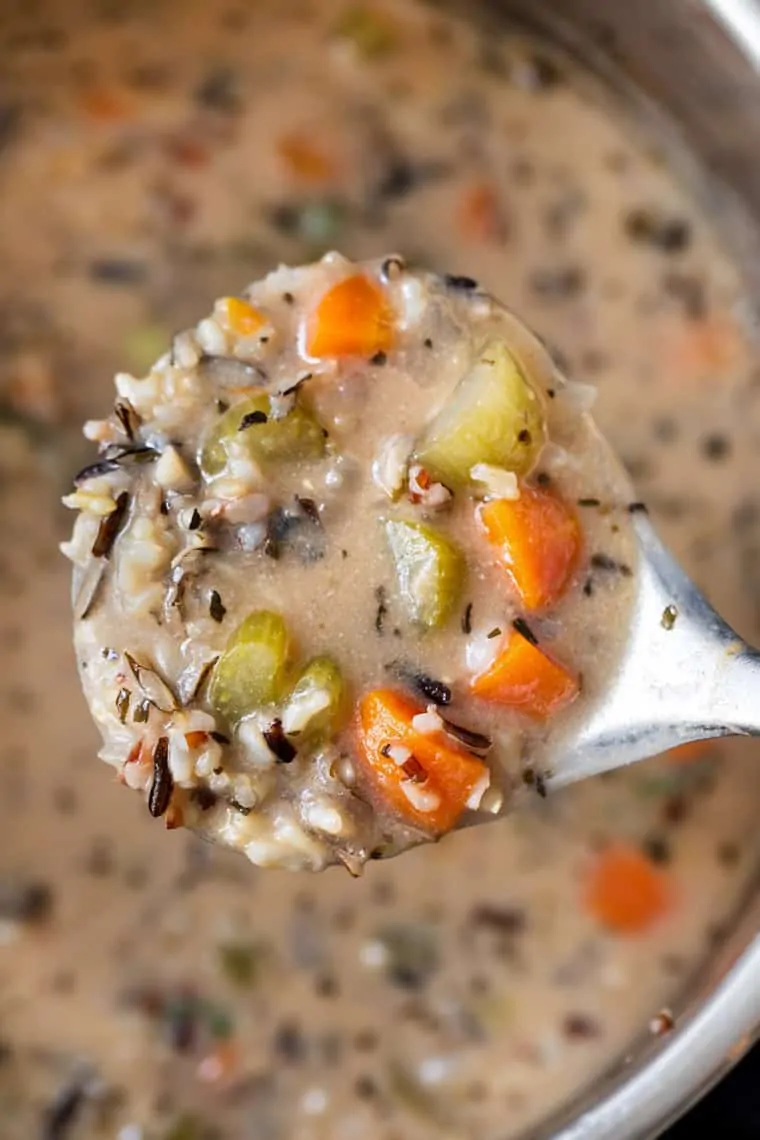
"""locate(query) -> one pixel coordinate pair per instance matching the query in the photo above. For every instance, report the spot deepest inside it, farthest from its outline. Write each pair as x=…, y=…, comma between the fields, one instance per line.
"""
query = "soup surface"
x=155, y=156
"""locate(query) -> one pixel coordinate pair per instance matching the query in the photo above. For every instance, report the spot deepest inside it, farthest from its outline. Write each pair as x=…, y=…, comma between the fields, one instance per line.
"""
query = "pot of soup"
x=582, y=968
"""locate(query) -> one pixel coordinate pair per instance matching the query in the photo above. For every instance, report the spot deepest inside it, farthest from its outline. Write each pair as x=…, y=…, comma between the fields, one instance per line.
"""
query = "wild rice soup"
x=152, y=985
x=317, y=554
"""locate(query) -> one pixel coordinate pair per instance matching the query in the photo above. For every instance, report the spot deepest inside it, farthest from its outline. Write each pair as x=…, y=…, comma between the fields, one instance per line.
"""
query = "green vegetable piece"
x=371, y=32
x=494, y=416
x=429, y=569
x=251, y=671
x=298, y=435
x=242, y=962
x=316, y=699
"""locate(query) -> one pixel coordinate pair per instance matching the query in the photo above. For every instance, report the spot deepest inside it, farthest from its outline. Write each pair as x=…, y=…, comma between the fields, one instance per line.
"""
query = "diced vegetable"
x=526, y=679
x=352, y=319
x=316, y=699
x=538, y=538
x=297, y=435
x=688, y=753
x=239, y=316
x=424, y=777
x=479, y=215
x=625, y=891
x=429, y=570
x=304, y=159
x=251, y=671
x=371, y=32
x=494, y=416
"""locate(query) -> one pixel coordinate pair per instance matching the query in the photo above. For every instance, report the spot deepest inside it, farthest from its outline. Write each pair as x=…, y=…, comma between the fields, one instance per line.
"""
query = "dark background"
x=730, y=1112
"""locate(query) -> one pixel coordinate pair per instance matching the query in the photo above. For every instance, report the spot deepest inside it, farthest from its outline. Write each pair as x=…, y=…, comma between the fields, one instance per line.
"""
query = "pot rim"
x=722, y=1020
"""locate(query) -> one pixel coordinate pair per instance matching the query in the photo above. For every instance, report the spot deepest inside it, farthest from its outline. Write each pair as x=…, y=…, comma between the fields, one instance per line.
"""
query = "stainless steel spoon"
x=685, y=675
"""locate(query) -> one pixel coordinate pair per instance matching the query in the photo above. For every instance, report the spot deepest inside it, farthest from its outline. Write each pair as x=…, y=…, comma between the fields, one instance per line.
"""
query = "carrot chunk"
x=104, y=104
x=526, y=679
x=538, y=538
x=687, y=753
x=425, y=777
x=625, y=891
x=240, y=316
x=304, y=160
x=479, y=215
x=352, y=319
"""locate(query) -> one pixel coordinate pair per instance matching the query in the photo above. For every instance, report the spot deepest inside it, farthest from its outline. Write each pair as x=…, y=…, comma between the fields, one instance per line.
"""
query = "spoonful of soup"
x=354, y=568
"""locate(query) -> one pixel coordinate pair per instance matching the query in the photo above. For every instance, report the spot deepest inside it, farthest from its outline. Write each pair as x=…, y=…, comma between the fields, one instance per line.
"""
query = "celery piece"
x=494, y=416
x=429, y=571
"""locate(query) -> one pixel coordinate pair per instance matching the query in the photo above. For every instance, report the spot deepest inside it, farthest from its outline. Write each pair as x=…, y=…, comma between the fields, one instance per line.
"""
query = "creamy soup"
x=338, y=505
x=155, y=156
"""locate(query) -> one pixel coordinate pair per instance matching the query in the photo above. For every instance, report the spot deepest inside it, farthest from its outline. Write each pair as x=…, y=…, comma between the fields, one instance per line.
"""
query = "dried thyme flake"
x=669, y=617
x=435, y=691
x=382, y=609
x=457, y=281
x=609, y=565
x=252, y=418
x=216, y=607
x=467, y=619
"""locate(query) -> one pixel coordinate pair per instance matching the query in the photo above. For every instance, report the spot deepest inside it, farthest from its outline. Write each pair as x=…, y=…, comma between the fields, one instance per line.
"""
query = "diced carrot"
x=105, y=104
x=479, y=214
x=304, y=159
x=352, y=319
x=223, y=1062
x=186, y=151
x=196, y=739
x=538, y=538
x=688, y=753
x=702, y=351
x=625, y=891
x=526, y=679
x=240, y=316
x=439, y=775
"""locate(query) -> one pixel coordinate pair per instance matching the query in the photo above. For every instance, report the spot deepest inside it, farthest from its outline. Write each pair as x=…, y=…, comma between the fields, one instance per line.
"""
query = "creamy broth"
x=302, y=524
x=148, y=981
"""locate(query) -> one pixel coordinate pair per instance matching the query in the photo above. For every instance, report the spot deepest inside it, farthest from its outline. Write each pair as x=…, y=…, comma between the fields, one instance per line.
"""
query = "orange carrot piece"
x=526, y=679
x=539, y=541
x=352, y=319
x=104, y=104
x=625, y=891
x=479, y=215
x=240, y=316
x=448, y=773
x=704, y=350
x=688, y=753
x=187, y=151
x=304, y=160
